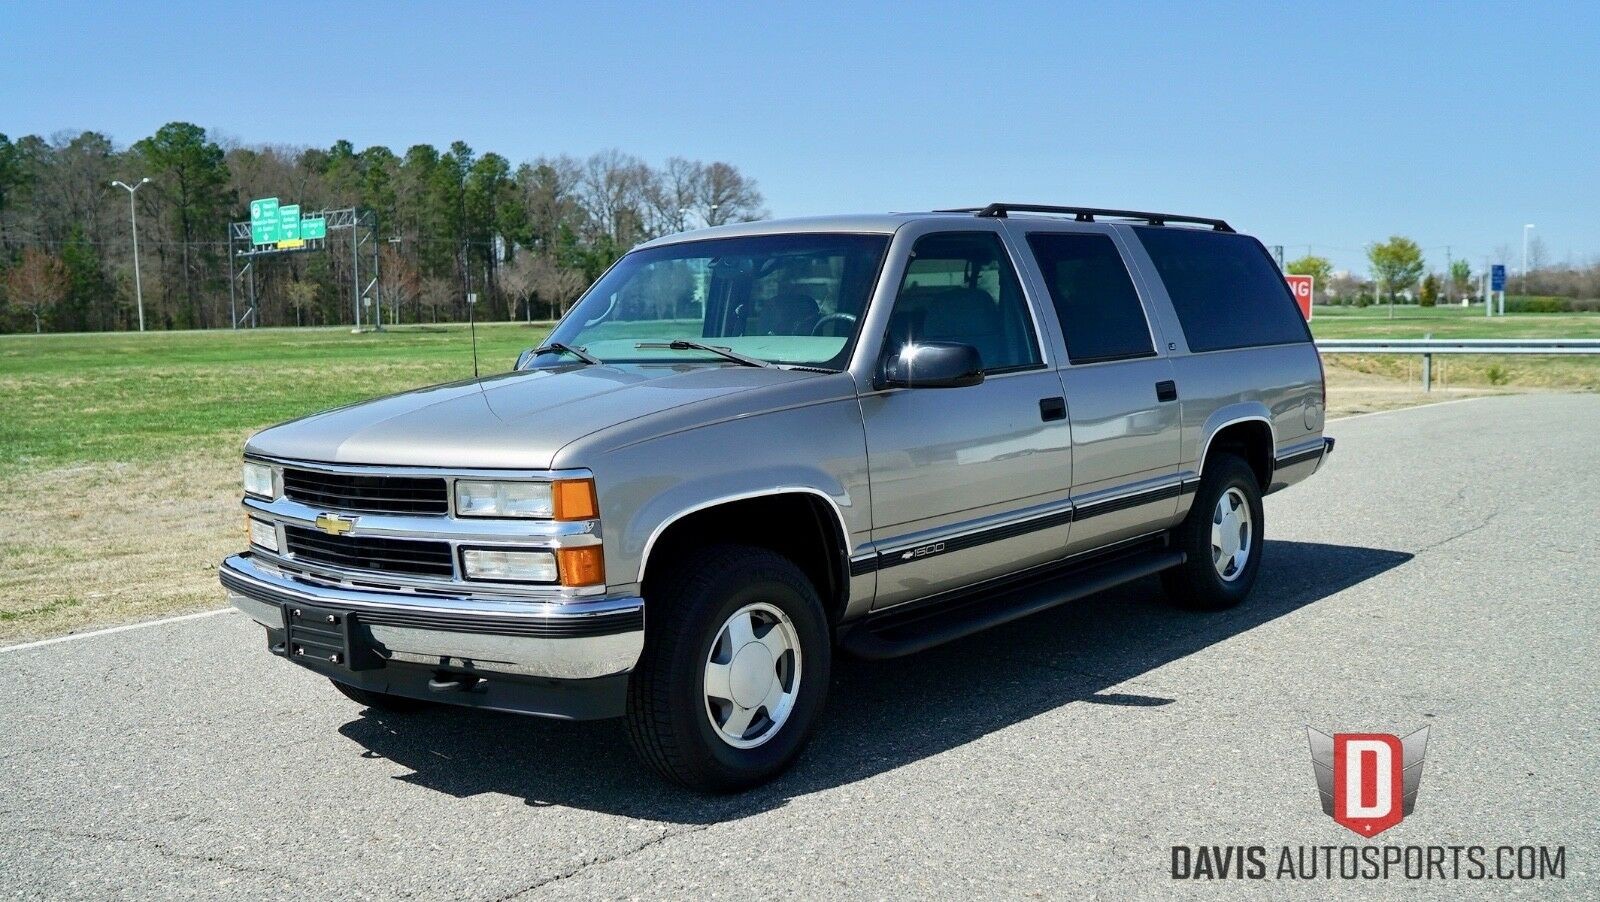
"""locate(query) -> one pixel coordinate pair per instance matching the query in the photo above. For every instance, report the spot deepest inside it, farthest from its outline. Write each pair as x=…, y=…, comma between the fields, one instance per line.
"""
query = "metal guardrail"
x=1427, y=347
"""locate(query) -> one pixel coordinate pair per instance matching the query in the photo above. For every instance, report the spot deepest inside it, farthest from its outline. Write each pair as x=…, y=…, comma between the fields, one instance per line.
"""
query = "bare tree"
x=555, y=284
x=398, y=281
x=300, y=296
x=673, y=194
x=613, y=192
x=38, y=282
x=437, y=291
x=518, y=282
x=725, y=195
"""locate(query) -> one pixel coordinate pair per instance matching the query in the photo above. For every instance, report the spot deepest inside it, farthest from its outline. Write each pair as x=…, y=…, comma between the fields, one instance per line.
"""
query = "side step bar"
x=891, y=634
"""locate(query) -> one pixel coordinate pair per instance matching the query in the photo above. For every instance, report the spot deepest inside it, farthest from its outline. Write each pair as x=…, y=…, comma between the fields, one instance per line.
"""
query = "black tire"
x=667, y=718
x=1197, y=584
x=379, y=701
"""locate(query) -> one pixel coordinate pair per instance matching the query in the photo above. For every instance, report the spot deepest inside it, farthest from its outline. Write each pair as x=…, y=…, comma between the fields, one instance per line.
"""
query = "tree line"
x=526, y=238
x=1398, y=268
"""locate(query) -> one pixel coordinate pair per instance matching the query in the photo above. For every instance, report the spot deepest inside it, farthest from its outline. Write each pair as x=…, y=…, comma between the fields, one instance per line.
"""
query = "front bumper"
x=531, y=656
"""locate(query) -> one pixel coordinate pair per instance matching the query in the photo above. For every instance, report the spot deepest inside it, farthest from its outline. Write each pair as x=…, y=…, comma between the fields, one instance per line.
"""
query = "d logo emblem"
x=1368, y=781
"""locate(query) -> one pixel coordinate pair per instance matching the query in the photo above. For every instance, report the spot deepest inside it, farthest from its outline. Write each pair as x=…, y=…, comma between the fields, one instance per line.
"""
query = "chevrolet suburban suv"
x=748, y=448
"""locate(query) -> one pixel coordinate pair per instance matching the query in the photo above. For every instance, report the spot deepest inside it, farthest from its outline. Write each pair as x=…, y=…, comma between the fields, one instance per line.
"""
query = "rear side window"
x=1226, y=291
x=1094, y=297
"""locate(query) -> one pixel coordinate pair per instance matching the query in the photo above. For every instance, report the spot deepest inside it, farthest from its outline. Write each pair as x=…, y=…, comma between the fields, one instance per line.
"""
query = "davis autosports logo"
x=1368, y=781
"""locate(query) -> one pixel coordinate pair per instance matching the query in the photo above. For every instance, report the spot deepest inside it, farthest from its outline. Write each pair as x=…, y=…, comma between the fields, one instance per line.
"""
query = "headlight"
x=564, y=499
x=475, y=498
x=513, y=566
x=263, y=535
x=258, y=480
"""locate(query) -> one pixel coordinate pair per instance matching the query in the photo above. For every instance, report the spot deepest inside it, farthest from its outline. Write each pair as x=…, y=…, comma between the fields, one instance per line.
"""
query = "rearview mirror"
x=933, y=364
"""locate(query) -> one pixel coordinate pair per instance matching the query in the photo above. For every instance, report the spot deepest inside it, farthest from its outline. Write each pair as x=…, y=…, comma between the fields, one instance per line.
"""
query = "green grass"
x=85, y=398
x=1508, y=370
x=1449, y=322
x=68, y=399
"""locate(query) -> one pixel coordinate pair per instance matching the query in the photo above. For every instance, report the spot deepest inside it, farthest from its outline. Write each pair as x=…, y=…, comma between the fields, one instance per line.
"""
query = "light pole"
x=1525, y=258
x=133, y=216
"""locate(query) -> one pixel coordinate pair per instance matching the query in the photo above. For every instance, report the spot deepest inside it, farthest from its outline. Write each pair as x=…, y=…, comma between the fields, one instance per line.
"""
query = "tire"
x=681, y=728
x=379, y=701
x=1201, y=582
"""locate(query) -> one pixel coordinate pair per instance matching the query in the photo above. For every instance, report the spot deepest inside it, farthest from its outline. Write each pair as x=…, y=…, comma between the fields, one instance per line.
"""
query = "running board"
x=893, y=633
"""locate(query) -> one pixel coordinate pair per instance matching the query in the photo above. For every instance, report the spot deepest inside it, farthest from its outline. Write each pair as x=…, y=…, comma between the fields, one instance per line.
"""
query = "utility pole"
x=133, y=216
x=1524, y=260
x=1449, y=277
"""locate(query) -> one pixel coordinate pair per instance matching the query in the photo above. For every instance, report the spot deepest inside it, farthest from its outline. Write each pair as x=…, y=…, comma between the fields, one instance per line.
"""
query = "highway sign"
x=264, y=221
x=288, y=223
x=315, y=227
x=1301, y=287
x=1497, y=277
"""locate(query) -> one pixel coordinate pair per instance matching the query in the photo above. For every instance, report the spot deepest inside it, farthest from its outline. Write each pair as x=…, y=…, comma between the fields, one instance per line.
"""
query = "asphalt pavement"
x=1438, y=572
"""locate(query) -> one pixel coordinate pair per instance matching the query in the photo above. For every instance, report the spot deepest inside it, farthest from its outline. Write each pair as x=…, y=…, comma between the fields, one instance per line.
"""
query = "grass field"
x=1460, y=370
x=119, y=453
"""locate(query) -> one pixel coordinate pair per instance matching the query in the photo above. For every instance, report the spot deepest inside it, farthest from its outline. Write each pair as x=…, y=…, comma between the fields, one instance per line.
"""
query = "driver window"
x=960, y=287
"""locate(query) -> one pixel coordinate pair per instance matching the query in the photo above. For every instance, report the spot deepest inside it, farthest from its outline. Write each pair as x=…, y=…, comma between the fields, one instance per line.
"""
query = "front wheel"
x=1222, y=538
x=734, y=671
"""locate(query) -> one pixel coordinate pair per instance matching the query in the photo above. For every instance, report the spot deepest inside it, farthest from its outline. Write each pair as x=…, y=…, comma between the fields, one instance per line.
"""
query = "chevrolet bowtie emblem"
x=335, y=525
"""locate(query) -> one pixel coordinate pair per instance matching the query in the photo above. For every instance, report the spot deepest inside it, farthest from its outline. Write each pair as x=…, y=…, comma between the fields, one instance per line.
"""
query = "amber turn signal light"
x=584, y=566
x=574, y=499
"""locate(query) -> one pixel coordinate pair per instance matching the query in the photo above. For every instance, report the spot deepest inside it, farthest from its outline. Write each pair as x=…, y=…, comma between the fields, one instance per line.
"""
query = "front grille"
x=402, y=557
x=370, y=494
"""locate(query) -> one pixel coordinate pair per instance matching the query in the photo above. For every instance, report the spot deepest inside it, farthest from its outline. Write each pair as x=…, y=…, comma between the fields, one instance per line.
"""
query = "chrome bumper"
x=573, y=640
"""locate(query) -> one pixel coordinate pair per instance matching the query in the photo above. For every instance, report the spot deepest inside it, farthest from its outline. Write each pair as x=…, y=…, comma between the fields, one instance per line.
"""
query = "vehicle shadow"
x=880, y=715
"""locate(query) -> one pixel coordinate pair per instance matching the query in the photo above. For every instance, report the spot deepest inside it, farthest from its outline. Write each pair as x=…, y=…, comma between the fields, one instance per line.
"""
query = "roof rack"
x=1088, y=214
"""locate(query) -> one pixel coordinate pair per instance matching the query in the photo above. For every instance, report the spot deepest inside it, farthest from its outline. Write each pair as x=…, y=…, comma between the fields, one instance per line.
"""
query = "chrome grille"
x=368, y=494
x=402, y=557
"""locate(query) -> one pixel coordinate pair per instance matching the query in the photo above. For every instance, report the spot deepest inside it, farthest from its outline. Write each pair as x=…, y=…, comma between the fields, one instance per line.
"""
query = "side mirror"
x=524, y=360
x=933, y=364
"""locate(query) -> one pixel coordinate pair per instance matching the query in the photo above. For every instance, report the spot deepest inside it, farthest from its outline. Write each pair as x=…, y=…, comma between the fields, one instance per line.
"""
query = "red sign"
x=1301, y=286
x=1367, y=789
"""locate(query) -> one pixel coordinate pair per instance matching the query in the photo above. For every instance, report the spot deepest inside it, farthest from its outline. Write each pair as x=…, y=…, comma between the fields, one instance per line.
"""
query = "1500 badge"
x=922, y=551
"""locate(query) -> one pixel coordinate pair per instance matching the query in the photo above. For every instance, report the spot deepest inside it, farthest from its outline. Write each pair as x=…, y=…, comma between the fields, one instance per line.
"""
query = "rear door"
x=1119, y=384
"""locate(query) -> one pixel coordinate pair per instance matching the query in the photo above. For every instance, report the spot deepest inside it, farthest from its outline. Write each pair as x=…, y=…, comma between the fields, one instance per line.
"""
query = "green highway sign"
x=264, y=221
x=289, y=223
x=272, y=223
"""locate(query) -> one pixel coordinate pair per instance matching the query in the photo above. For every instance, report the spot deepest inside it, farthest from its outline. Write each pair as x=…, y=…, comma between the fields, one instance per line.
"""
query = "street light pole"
x=1525, y=258
x=133, y=217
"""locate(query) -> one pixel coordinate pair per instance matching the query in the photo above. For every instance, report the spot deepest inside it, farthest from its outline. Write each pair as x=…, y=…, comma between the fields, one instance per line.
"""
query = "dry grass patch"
x=98, y=544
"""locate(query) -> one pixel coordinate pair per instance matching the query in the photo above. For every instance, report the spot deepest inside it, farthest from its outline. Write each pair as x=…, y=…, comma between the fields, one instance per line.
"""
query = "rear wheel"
x=379, y=701
x=1222, y=537
x=734, y=670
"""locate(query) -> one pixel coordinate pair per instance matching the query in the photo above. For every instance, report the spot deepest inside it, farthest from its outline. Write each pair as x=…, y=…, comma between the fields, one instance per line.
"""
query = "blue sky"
x=1326, y=126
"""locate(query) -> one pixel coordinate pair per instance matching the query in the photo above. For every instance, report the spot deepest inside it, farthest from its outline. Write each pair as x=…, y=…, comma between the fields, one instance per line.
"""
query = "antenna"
x=472, y=325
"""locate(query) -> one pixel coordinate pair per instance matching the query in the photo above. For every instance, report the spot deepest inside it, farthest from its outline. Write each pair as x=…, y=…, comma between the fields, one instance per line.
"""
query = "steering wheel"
x=842, y=317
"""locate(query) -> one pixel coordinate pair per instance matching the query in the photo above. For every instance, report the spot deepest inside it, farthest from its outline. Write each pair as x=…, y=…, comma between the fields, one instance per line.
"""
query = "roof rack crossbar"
x=1088, y=214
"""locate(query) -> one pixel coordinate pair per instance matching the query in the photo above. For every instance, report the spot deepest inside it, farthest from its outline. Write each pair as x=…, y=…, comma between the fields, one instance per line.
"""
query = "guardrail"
x=1427, y=347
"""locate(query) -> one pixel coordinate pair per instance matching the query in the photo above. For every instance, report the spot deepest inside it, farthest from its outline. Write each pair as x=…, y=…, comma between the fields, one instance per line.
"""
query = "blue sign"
x=1497, y=277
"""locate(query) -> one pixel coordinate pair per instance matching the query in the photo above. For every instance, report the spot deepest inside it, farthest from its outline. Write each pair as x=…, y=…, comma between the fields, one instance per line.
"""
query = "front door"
x=967, y=483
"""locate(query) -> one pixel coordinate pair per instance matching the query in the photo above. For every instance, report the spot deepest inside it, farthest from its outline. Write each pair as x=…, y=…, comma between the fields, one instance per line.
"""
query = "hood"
x=513, y=421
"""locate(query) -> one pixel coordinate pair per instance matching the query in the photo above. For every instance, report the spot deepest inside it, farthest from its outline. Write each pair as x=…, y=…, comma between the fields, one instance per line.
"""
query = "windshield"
x=787, y=299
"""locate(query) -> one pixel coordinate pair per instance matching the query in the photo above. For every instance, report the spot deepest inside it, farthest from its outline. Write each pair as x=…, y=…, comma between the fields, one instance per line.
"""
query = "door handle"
x=1051, y=409
x=1166, y=390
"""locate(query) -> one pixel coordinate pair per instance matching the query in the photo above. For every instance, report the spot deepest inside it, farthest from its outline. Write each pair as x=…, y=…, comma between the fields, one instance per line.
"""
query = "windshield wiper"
x=683, y=344
x=556, y=347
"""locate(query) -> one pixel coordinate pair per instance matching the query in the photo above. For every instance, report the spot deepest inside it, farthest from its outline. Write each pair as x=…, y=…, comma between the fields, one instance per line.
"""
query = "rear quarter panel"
x=1278, y=384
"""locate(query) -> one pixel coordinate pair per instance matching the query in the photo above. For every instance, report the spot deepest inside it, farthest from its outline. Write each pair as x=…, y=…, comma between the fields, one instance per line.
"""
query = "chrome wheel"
x=752, y=675
x=1232, y=534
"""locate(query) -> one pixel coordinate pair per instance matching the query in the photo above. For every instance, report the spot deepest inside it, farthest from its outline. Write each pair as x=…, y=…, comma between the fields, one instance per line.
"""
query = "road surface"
x=1439, y=572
